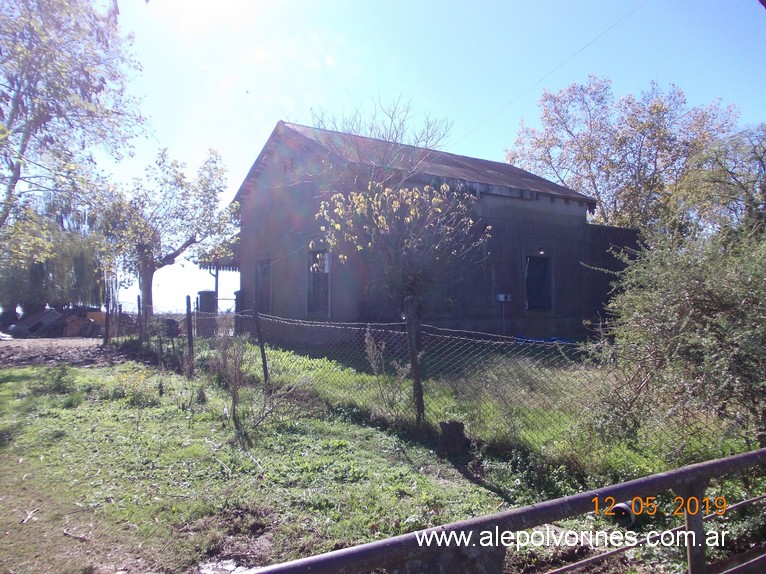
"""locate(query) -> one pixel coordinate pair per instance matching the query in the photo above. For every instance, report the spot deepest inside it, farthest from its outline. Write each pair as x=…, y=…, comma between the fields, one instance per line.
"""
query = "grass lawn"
x=128, y=468
x=96, y=465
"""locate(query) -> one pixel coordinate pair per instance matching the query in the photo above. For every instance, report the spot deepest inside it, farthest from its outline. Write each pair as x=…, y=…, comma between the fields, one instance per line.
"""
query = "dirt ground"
x=75, y=352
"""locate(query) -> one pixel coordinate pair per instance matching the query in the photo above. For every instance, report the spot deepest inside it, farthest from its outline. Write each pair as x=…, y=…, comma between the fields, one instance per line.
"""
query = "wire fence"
x=478, y=390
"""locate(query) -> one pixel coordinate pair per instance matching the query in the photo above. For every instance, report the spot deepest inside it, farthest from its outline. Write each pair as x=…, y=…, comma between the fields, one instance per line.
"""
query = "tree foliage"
x=689, y=314
x=727, y=186
x=33, y=275
x=410, y=235
x=415, y=234
x=63, y=75
x=692, y=322
x=632, y=155
x=165, y=216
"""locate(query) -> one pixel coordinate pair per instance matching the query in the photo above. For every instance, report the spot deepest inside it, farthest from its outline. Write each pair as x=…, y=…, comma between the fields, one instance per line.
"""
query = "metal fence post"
x=190, y=336
x=695, y=552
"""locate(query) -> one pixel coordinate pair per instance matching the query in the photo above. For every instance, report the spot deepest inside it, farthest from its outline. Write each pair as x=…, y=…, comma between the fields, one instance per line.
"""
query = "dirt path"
x=76, y=352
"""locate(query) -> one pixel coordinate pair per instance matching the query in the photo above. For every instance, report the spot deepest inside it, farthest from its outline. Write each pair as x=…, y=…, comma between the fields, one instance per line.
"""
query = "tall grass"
x=563, y=411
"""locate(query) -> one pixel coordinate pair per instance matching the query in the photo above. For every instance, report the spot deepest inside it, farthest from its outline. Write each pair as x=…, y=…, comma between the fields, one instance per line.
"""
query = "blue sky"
x=221, y=74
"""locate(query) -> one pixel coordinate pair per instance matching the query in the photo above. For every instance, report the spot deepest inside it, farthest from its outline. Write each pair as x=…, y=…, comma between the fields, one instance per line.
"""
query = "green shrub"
x=57, y=380
x=73, y=400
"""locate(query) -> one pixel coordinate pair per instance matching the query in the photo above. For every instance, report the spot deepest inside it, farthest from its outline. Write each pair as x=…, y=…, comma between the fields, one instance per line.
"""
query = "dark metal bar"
x=401, y=550
x=189, y=337
x=695, y=547
x=622, y=549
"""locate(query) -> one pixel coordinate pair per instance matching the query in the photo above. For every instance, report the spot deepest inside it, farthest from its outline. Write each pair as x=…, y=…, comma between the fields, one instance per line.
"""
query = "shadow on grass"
x=464, y=463
x=20, y=375
x=428, y=436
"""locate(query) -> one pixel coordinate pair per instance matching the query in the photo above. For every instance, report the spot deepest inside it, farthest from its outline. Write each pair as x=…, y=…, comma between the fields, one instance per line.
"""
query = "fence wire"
x=548, y=397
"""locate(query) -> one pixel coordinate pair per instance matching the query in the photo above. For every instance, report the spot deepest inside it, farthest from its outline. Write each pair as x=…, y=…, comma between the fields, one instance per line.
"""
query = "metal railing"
x=406, y=554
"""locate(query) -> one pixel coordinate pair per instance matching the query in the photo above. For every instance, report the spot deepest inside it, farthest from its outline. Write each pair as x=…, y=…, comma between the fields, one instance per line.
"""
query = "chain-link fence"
x=548, y=397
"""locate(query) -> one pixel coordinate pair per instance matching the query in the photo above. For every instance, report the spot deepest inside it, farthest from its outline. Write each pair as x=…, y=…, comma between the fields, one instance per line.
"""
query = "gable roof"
x=419, y=162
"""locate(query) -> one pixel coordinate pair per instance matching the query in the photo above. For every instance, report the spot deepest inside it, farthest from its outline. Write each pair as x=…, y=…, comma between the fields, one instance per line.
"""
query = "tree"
x=687, y=318
x=390, y=165
x=32, y=276
x=630, y=155
x=411, y=235
x=415, y=234
x=727, y=185
x=63, y=75
x=690, y=324
x=166, y=216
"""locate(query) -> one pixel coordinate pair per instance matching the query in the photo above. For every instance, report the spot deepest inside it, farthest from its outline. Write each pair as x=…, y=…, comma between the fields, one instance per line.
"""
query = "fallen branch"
x=30, y=515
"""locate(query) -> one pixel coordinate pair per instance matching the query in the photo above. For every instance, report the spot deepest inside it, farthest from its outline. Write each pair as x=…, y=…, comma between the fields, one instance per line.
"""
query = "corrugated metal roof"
x=425, y=162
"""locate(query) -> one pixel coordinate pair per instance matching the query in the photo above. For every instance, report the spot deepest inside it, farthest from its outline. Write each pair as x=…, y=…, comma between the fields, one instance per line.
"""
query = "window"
x=319, y=282
x=263, y=285
x=538, y=277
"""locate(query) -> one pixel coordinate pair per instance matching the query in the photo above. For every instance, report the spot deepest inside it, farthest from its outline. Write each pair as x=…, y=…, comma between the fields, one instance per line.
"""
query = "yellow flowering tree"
x=413, y=234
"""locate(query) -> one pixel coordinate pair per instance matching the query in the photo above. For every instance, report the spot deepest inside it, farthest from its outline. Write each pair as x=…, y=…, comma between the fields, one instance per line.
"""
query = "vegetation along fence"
x=473, y=390
x=426, y=551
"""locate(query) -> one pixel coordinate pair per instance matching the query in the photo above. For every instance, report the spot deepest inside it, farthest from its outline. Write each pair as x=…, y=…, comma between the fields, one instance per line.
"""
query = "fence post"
x=106, y=318
x=262, y=347
x=190, y=336
x=413, y=326
x=141, y=334
x=695, y=553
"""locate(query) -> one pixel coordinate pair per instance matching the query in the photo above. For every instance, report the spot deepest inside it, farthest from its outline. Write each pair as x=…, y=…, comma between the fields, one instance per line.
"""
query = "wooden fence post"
x=413, y=326
x=262, y=345
x=108, y=312
x=190, y=336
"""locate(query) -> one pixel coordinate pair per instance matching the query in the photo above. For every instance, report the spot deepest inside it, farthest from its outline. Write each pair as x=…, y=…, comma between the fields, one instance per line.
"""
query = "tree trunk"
x=146, y=271
x=413, y=328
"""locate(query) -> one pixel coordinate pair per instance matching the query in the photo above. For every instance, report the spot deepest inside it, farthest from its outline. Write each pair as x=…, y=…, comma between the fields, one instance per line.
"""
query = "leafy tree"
x=686, y=327
x=727, y=186
x=416, y=234
x=631, y=155
x=691, y=322
x=67, y=276
x=166, y=216
x=410, y=234
x=63, y=75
